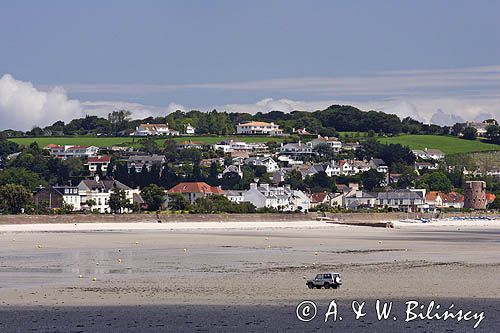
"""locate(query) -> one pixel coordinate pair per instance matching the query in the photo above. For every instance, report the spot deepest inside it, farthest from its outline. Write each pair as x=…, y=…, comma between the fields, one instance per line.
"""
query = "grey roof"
x=105, y=185
x=146, y=158
x=400, y=194
x=378, y=161
x=364, y=195
x=233, y=193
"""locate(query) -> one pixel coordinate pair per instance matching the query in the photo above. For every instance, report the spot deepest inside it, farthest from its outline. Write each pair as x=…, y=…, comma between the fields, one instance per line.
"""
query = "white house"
x=232, y=146
x=428, y=154
x=99, y=191
x=379, y=165
x=72, y=151
x=98, y=162
x=280, y=198
x=259, y=127
x=154, y=129
x=190, y=130
x=332, y=142
x=57, y=197
x=268, y=162
x=234, y=195
x=295, y=149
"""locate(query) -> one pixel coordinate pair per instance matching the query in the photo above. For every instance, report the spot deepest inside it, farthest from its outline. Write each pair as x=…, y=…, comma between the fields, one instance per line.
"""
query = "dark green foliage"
x=153, y=196
x=372, y=179
x=221, y=204
x=13, y=198
x=435, y=181
x=470, y=133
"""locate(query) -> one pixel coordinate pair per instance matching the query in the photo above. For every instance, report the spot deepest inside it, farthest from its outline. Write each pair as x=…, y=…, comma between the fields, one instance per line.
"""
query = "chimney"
x=253, y=186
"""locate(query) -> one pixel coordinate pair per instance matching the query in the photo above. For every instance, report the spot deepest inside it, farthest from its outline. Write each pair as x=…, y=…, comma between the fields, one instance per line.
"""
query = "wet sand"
x=250, y=280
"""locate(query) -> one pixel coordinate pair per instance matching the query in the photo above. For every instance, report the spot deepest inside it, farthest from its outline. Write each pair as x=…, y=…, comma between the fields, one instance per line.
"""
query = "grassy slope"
x=109, y=141
x=447, y=144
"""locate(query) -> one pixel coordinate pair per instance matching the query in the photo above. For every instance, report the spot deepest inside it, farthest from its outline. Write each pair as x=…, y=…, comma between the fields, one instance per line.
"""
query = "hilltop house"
x=71, y=151
x=190, y=130
x=154, y=129
x=428, y=154
x=258, y=127
x=332, y=142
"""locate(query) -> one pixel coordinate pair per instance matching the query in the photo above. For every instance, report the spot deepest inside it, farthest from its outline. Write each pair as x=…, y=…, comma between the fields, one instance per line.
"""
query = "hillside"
x=129, y=141
x=447, y=144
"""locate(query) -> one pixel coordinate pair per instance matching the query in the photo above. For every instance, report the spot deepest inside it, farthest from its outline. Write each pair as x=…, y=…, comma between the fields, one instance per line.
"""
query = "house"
x=326, y=168
x=435, y=199
x=234, y=195
x=278, y=176
x=190, y=144
x=481, y=127
x=289, y=160
x=137, y=162
x=300, y=131
x=190, y=130
x=403, y=200
x=379, y=165
x=95, y=193
x=425, y=165
x=295, y=149
x=67, y=151
x=154, y=129
x=428, y=154
x=320, y=198
x=57, y=197
x=359, y=167
x=258, y=127
x=332, y=142
x=233, y=146
x=95, y=163
x=268, y=162
x=281, y=198
x=360, y=199
x=232, y=168
x=351, y=146
x=194, y=190
x=453, y=200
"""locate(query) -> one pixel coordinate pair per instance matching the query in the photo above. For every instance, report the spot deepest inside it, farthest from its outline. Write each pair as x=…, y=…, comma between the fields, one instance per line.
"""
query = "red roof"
x=196, y=187
x=453, y=197
x=100, y=159
x=318, y=197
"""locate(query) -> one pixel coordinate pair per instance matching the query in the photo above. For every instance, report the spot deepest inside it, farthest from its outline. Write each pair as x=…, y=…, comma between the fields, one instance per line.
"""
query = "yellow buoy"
x=94, y=279
x=97, y=264
x=39, y=246
x=80, y=276
x=119, y=260
x=315, y=253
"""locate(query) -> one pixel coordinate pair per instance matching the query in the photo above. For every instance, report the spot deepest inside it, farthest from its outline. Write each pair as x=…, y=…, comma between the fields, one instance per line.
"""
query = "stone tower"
x=475, y=195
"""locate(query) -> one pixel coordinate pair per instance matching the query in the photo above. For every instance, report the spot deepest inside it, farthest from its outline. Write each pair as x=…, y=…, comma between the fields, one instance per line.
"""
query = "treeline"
x=325, y=122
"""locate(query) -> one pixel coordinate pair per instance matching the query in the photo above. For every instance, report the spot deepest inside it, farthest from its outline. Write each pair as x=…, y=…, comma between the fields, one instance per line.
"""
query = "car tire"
x=327, y=285
x=335, y=286
x=310, y=285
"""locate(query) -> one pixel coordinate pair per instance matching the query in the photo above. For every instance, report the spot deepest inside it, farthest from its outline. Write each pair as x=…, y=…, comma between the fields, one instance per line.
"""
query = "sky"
x=436, y=61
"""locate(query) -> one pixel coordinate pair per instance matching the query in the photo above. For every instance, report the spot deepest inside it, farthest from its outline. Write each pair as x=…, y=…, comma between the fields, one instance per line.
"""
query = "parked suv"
x=326, y=280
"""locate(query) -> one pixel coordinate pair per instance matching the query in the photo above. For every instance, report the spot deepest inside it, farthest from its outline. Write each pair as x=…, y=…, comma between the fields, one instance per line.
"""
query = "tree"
x=470, y=133
x=176, y=201
x=119, y=120
x=495, y=204
x=154, y=196
x=21, y=176
x=325, y=152
x=435, y=181
x=372, y=179
x=13, y=198
x=149, y=146
x=320, y=182
x=118, y=201
x=457, y=129
x=294, y=179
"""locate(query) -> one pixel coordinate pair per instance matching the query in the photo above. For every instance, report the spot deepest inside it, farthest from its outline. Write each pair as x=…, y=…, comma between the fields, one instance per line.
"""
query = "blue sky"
x=406, y=57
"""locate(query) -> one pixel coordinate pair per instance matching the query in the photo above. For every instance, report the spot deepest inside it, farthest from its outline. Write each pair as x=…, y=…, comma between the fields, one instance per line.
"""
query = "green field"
x=447, y=144
x=128, y=141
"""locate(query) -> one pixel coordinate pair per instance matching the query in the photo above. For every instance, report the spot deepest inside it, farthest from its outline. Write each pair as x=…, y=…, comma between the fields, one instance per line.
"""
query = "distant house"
x=190, y=130
x=233, y=146
x=194, y=190
x=453, y=200
x=95, y=163
x=425, y=165
x=232, y=168
x=68, y=151
x=190, y=144
x=479, y=126
x=137, y=162
x=428, y=154
x=258, y=127
x=57, y=197
x=268, y=162
x=379, y=165
x=234, y=195
x=300, y=131
x=435, y=198
x=320, y=198
x=332, y=142
x=154, y=129
x=295, y=149
x=359, y=166
x=317, y=168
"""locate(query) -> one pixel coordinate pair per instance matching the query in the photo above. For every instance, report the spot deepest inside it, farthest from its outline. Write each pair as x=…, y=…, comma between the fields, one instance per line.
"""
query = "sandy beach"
x=157, y=276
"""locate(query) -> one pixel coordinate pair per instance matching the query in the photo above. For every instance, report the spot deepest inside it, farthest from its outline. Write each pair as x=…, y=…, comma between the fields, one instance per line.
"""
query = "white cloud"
x=22, y=106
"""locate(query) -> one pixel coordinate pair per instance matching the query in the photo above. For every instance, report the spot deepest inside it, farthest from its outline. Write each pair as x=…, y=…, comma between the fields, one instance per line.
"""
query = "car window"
x=319, y=276
x=328, y=276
